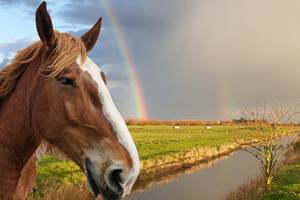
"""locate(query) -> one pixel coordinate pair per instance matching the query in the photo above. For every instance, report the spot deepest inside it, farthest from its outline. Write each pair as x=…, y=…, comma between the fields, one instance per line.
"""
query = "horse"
x=52, y=91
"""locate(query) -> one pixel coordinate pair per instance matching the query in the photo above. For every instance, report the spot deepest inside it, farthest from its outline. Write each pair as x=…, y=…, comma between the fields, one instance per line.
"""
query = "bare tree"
x=269, y=138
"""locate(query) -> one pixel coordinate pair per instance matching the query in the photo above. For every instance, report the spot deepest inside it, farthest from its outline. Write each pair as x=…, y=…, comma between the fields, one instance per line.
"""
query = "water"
x=210, y=183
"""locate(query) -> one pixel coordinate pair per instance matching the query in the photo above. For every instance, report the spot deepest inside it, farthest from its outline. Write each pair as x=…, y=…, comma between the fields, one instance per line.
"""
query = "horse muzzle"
x=109, y=185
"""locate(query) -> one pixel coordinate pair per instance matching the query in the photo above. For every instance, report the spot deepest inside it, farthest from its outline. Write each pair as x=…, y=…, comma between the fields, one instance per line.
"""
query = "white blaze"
x=113, y=116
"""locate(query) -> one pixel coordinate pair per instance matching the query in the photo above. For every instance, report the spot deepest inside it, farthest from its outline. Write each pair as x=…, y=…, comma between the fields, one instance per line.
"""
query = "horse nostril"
x=116, y=181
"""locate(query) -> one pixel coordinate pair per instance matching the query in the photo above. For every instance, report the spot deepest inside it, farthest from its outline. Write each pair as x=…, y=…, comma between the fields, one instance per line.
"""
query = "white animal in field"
x=208, y=127
x=176, y=127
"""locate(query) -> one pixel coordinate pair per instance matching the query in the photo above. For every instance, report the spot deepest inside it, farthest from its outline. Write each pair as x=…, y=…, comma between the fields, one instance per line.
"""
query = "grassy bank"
x=285, y=186
x=158, y=146
x=286, y=183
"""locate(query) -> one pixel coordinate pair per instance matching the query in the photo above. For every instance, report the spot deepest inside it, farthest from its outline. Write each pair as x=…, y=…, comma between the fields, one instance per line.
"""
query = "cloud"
x=195, y=58
x=11, y=47
x=31, y=3
x=132, y=14
x=208, y=59
x=28, y=7
x=81, y=12
x=225, y=55
x=4, y=62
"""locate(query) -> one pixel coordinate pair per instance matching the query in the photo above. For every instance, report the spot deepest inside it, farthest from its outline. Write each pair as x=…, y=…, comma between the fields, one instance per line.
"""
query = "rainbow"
x=139, y=101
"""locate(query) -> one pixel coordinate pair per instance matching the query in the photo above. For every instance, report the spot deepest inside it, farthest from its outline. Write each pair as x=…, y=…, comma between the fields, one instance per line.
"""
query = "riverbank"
x=164, y=151
x=285, y=186
x=73, y=187
x=286, y=183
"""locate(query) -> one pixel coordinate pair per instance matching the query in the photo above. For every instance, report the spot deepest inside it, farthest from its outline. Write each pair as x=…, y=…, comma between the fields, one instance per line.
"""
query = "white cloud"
x=13, y=46
x=1, y=57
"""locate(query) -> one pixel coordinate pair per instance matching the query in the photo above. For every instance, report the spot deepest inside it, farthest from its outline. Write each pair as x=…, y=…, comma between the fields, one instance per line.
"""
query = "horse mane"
x=65, y=52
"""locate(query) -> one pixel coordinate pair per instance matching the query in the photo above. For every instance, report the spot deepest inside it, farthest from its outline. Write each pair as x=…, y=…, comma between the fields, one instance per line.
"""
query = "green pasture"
x=156, y=141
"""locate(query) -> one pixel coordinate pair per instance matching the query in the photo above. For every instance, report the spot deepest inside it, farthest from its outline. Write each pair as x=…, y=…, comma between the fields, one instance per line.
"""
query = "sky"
x=195, y=59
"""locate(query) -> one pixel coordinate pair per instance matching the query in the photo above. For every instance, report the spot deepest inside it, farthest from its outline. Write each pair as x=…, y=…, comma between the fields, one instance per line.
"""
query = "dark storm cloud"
x=29, y=6
x=132, y=14
x=81, y=12
x=30, y=3
x=228, y=54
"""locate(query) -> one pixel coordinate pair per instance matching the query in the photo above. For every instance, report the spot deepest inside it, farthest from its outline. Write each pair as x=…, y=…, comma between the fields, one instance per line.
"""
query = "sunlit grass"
x=156, y=141
x=52, y=173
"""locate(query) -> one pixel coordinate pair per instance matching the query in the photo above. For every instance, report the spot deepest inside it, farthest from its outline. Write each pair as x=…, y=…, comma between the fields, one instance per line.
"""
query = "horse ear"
x=44, y=25
x=90, y=37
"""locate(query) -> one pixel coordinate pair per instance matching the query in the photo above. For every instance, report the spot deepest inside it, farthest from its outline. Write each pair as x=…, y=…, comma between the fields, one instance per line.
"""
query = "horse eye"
x=66, y=81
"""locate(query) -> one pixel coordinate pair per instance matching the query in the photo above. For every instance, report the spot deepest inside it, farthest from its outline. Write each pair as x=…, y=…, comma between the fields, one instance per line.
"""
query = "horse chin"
x=94, y=188
x=93, y=180
x=97, y=185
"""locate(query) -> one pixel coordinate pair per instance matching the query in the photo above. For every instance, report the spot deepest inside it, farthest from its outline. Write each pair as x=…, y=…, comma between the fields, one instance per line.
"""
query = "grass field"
x=154, y=143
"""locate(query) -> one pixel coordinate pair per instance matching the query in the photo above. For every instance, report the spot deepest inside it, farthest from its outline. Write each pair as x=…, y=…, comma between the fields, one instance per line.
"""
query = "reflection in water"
x=214, y=181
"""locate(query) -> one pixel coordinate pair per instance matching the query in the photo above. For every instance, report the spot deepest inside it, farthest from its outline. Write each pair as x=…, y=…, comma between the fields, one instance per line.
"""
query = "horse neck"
x=17, y=138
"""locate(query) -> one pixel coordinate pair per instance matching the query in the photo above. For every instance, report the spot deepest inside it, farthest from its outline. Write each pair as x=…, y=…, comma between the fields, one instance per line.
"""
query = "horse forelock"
x=67, y=48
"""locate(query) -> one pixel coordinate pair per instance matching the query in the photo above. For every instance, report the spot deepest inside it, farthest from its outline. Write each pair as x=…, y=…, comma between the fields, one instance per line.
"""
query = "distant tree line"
x=156, y=122
x=173, y=122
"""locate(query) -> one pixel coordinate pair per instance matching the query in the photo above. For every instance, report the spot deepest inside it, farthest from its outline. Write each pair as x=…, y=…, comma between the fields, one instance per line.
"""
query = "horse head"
x=72, y=109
